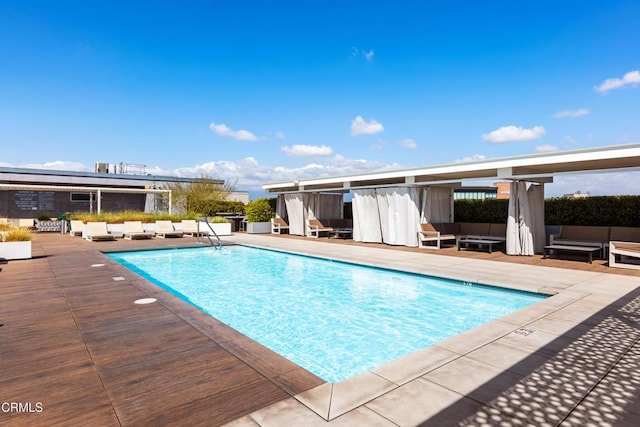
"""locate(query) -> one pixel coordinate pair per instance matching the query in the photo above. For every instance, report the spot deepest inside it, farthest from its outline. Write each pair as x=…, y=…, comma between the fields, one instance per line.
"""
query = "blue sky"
x=256, y=92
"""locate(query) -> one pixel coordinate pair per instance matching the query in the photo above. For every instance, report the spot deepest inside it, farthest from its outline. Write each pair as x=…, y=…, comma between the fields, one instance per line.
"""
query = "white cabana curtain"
x=387, y=215
x=366, y=219
x=399, y=215
x=526, y=237
x=436, y=205
x=322, y=206
x=519, y=235
x=535, y=195
x=328, y=206
x=513, y=230
x=295, y=213
x=281, y=207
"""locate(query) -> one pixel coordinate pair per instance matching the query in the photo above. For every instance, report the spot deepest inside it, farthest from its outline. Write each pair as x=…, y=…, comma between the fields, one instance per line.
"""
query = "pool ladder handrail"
x=206, y=221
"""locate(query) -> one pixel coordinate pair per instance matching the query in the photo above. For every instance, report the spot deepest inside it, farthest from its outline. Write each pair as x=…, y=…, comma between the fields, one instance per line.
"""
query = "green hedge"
x=621, y=211
x=228, y=206
x=489, y=210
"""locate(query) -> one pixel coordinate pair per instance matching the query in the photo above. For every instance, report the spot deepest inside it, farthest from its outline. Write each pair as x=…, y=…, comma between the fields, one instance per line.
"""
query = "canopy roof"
x=534, y=167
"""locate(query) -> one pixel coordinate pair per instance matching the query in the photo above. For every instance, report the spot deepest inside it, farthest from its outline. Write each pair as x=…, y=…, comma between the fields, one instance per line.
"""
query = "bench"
x=479, y=243
x=571, y=248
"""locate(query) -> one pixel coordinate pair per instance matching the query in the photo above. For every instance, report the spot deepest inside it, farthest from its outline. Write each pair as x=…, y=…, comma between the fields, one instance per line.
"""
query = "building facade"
x=31, y=193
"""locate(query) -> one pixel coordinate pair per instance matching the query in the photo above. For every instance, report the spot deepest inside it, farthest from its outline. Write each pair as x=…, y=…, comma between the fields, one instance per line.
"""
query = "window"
x=80, y=197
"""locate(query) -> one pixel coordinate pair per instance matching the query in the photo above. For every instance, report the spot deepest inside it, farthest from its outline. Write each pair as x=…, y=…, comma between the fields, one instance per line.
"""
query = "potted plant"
x=259, y=214
x=15, y=243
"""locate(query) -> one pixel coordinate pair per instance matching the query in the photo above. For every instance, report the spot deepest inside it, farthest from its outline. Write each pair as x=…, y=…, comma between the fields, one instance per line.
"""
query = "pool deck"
x=73, y=343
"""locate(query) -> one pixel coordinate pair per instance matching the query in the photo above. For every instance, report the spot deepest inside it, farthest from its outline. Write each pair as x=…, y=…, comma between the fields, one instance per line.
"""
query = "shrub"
x=121, y=217
x=259, y=210
x=17, y=235
x=228, y=206
x=621, y=211
x=218, y=220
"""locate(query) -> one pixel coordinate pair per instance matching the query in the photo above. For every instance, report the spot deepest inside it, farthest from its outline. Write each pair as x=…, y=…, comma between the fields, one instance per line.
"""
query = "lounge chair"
x=134, y=230
x=315, y=227
x=164, y=228
x=76, y=227
x=627, y=251
x=98, y=231
x=278, y=225
x=428, y=233
x=190, y=228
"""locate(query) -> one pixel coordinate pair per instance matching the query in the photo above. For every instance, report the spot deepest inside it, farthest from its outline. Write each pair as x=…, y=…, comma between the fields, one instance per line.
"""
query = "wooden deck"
x=74, y=344
x=76, y=350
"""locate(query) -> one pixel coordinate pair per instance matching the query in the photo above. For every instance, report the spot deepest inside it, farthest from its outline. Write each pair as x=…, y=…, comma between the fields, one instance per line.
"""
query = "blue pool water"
x=334, y=319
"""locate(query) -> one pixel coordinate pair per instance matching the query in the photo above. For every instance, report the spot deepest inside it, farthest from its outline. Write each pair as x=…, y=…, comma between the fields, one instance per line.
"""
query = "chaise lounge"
x=134, y=230
x=98, y=231
x=77, y=227
x=164, y=228
x=190, y=228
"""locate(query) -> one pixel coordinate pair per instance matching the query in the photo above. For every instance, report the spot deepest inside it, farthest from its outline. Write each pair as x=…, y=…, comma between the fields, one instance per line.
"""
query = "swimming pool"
x=332, y=318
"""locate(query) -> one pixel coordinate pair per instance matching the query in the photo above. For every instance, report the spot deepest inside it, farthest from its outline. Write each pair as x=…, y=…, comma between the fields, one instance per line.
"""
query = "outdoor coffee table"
x=343, y=233
x=479, y=243
x=570, y=248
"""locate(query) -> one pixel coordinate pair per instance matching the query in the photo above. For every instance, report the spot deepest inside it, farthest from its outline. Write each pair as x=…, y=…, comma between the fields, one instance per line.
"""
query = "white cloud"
x=369, y=55
x=631, y=78
x=474, y=158
x=409, y=144
x=545, y=148
x=378, y=146
x=359, y=127
x=513, y=133
x=241, y=135
x=301, y=150
x=596, y=184
x=280, y=135
x=55, y=165
x=577, y=113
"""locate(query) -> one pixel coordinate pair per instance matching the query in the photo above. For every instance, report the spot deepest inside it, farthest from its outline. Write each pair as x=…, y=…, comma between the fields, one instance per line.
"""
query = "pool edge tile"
x=414, y=365
x=354, y=392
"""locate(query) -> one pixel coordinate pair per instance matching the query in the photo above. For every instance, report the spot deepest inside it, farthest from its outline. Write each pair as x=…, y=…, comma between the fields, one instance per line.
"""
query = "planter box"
x=259, y=227
x=15, y=250
x=221, y=228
